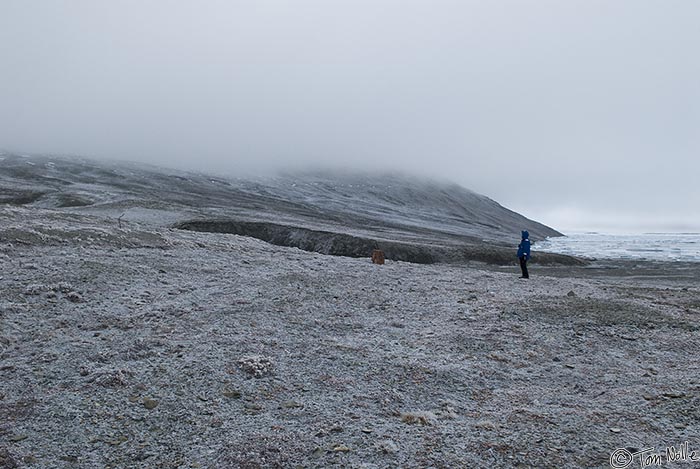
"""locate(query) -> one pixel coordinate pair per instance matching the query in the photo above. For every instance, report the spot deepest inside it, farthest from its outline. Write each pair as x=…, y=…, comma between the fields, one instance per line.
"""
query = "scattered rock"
x=497, y=356
x=62, y=287
x=419, y=417
x=291, y=405
x=485, y=425
x=117, y=441
x=111, y=378
x=150, y=403
x=615, y=430
x=34, y=289
x=232, y=394
x=216, y=423
x=257, y=366
x=317, y=451
x=448, y=413
x=388, y=447
x=571, y=293
x=16, y=438
x=674, y=394
x=74, y=297
x=341, y=449
x=253, y=408
x=336, y=429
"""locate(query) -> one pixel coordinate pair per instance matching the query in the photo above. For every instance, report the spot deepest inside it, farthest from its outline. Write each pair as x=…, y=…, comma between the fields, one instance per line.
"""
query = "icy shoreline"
x=161, y=348
x=666, y=247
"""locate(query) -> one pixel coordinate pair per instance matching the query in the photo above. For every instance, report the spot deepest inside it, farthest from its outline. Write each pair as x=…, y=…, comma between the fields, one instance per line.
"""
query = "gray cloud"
x=578, y=113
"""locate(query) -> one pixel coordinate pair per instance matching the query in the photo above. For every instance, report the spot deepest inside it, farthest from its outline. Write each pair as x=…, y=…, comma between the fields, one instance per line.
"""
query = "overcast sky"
x=581, y=114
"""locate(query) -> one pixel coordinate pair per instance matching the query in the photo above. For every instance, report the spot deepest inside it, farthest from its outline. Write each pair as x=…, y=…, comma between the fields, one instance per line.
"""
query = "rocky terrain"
x=143, y=347
x=127, y=342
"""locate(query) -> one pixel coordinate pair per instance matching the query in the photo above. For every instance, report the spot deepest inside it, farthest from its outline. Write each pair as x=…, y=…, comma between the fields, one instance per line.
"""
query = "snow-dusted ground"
x=156, y=348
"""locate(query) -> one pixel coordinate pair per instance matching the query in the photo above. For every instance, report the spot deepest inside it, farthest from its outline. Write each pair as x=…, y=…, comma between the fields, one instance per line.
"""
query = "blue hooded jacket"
x=524, y=246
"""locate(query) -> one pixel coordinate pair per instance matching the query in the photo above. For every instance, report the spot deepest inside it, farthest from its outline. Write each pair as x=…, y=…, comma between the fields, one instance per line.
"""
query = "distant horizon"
x=622, y=232
x=604, y=224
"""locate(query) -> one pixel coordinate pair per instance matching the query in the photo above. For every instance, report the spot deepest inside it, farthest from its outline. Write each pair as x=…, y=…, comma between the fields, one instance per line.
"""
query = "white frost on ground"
x=186, y=349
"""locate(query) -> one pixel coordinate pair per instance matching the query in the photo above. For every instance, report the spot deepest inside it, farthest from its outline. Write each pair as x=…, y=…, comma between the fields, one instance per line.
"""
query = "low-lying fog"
x=580, y=114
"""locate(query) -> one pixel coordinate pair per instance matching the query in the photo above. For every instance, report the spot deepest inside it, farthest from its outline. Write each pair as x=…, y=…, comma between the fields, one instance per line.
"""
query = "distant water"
x=677, y=247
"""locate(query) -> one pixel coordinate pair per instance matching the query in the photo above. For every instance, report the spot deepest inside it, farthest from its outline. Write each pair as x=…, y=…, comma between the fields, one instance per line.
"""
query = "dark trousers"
x=523, y=266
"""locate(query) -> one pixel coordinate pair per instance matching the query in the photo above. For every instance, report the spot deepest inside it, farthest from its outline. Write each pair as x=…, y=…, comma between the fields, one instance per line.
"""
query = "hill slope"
x=348, y=214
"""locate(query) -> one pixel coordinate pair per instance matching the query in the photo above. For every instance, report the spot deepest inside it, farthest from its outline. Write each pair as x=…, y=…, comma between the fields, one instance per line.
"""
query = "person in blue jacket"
x=524, y=253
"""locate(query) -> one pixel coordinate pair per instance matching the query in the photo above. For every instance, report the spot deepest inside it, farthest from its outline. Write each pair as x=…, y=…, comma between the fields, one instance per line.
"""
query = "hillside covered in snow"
x=411, y=219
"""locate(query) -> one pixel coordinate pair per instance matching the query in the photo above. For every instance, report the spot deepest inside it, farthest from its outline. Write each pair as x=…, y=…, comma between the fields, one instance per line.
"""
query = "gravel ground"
x=155, y=348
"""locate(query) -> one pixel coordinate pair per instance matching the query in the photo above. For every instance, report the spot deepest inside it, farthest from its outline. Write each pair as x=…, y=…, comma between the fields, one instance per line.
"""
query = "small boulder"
x=257, y=366
x=419, y=417
x=150, y=404
x=74, y=297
